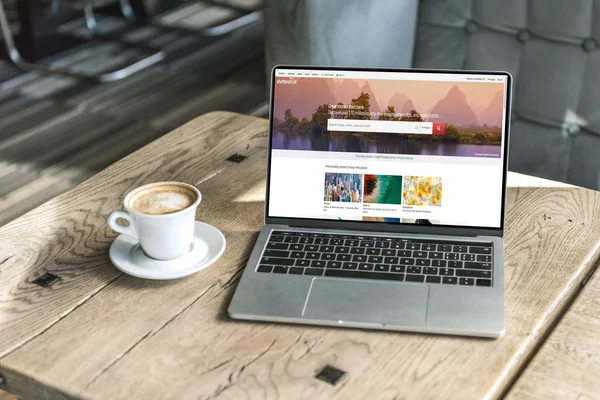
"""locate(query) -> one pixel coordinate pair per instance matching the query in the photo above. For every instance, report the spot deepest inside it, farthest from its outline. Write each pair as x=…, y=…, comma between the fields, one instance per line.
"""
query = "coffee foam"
x=162, y=199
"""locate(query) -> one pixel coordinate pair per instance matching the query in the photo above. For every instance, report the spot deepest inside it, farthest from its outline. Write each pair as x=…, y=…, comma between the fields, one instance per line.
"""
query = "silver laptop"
x=385, y=201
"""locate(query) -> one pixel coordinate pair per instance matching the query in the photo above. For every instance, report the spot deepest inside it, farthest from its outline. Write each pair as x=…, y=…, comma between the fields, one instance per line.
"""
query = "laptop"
x=385, y=201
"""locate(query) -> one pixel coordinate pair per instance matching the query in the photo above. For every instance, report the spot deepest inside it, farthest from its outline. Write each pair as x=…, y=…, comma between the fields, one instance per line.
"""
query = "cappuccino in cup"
x=161, y=217
x=161, y=199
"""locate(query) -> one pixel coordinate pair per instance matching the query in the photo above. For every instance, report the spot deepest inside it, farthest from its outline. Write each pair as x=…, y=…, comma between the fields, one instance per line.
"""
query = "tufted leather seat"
x=551, y=49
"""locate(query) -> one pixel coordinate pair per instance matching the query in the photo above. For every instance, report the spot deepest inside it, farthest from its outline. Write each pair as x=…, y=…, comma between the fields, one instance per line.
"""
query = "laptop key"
x=455, y=264
x=296, y=247
x=302, y=263
x=373, y=252
x=460, y=249
x=311, y=247
x=340, y=273
x=397, y=268
x=397, y=245
x=277, y=246
x=296, y=271
x=430, y=271
x=357, y=250
x=291, y=239
x=336, y=242
x=466, y=281
x=277, y=261
x=359, y=258
x=388, y=252
x=391, y=260
x=474, y=273
x=444, y=247
x=452, y=256
x=327, y=256
x=351, y=242
x=381, y=268
x=344, y=257
x=484, y=282
x=423, y=262
x=413, y=270
x=449, y=280
x=276, y=253
x=415, y=278
x=326, y=249
x=433, y=279
x=365, y=267
x=313, y=256
x=413, y=246
x=278, y=269
x=342, y=249
x=349, y=265
x=298, y=254
x=264, y=268
x=382, y=245
x=375, y=259
x=436, y=255
x=367, y=244
x=446, y=271
x=407, y=261
x=318, y=264
x=477, y=265
x=334, y=264
x=467, y=257
x=404, y=253
x=419, y=254
x=484, y=258
x=313, y=271
x=321, y=241
x=438, y=263
x=306, y=240
x=428, y=247
x=480, y=250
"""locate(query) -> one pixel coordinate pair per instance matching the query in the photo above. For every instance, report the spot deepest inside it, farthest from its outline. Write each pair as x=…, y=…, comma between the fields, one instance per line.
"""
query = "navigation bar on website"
x=410, y=76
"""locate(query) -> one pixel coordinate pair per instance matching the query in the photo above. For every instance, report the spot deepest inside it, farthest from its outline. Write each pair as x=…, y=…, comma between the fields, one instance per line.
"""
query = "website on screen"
x=418, y=148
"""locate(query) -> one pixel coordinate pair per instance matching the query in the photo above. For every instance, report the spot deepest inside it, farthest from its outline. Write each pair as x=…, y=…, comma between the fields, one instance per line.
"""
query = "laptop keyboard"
x=378, y=257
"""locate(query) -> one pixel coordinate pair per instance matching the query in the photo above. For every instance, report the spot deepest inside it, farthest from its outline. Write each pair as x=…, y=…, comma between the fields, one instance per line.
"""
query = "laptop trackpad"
x=369, y=301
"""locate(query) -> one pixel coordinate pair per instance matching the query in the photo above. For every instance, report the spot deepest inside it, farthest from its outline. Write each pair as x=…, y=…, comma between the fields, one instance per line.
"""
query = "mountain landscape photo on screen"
x=472, y=112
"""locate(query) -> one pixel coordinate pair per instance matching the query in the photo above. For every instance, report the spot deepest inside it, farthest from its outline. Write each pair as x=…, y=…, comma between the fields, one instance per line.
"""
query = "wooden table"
x=104, y=335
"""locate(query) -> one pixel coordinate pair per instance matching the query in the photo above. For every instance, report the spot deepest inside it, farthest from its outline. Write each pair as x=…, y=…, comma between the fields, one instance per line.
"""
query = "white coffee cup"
x=161, y=217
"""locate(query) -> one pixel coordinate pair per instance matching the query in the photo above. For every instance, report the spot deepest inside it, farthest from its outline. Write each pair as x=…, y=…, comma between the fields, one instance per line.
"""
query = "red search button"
x=439, y=128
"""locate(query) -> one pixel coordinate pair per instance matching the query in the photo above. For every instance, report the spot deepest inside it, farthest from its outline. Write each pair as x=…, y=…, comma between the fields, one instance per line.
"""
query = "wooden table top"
x=100, y=334
x=567, y=366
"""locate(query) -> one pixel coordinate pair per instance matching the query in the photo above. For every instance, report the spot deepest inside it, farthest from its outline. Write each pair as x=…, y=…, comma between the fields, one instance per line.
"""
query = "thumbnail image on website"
x=416, y=148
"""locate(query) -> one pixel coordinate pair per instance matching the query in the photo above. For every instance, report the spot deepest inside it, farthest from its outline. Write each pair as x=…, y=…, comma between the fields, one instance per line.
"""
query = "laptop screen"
x=401, y=147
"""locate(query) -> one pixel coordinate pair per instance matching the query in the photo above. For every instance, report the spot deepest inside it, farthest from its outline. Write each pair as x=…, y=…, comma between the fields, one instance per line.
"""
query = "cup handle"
x=127, y=230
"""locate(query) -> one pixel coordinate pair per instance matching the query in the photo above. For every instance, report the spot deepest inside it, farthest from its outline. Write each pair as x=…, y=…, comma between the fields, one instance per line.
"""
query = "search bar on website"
x=407, y=127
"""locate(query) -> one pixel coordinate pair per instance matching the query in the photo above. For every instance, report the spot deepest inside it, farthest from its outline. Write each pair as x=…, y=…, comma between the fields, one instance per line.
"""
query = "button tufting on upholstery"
x=471, y=26
x=589, y=44
x=524, y=35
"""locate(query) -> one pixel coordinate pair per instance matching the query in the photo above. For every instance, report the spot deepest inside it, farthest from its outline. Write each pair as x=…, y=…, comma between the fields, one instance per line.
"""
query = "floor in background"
x=57, y=132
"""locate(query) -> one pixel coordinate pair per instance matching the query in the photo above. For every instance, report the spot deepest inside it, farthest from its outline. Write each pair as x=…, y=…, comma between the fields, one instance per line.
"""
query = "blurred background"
x=85, y=82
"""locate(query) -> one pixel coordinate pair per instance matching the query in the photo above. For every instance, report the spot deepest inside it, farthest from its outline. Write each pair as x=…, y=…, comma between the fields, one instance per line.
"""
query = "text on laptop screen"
x=399, y=147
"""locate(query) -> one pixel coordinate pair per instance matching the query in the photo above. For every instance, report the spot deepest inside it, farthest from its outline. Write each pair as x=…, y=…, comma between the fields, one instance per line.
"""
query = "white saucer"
x=208, y=245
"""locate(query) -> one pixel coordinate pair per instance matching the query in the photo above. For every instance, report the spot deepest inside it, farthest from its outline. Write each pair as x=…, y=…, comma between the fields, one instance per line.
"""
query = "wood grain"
x=7, y=396
x=568, y=364
x=107, y=335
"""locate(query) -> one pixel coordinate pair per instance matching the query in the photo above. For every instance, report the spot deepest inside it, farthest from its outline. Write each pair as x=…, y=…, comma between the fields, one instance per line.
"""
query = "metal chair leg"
x=230, y=26
x=18, y=60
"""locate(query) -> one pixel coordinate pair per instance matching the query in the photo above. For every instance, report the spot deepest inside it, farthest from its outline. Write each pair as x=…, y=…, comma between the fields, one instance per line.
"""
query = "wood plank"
x=567, y=366
x=68, y=235
x=130, y=338
x=7, y=396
